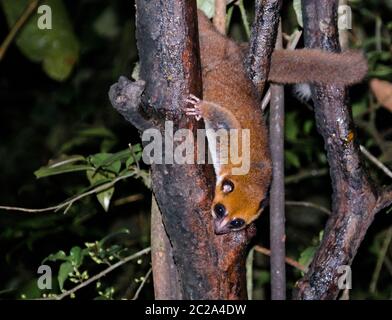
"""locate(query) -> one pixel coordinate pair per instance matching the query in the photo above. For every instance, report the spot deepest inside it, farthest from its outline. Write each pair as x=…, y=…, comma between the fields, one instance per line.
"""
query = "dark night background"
x=43, y=118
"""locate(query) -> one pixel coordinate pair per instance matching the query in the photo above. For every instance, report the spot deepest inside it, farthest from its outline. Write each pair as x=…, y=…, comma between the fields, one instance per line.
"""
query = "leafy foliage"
x=57, y=48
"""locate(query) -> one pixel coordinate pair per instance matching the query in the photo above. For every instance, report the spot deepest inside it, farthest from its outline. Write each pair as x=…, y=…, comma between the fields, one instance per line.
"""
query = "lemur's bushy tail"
x=287, y=66
x=312, y=65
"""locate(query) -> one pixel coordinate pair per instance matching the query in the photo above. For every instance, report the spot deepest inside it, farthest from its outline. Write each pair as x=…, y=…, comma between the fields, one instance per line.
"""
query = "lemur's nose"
x=221, y=226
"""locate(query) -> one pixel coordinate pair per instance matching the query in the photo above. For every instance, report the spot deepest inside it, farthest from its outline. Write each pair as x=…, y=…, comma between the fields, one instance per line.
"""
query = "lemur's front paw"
x=193, y=111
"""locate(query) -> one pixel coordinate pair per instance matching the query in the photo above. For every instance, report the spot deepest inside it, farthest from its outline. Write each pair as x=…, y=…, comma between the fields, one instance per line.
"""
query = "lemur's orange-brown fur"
x=229, y=102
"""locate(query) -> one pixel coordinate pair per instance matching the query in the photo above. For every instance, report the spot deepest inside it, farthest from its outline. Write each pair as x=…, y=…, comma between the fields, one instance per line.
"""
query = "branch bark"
x=220, y=16
x=261, y=44
x=262, y=41
x=208, y=266
x=166, y=279
x=355, y=199
x=277, y=194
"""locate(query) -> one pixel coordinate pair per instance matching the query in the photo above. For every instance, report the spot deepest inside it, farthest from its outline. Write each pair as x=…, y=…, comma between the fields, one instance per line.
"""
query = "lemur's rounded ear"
x=264, y=203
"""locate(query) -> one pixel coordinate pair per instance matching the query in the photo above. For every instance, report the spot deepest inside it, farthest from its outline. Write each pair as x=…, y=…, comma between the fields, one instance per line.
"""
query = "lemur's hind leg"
x=219, y=122
x=215, y=116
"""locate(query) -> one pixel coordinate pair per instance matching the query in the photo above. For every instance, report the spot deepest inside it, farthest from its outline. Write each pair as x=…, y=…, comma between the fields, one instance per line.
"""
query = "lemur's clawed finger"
x=193, y=111
x=192, y=99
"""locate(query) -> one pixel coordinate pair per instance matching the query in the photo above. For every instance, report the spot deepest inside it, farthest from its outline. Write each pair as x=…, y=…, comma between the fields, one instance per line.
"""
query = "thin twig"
x=305, y=175
x=288, y=260
x=291, y=45
x=134, y=157
x=377, y=162
x=249, y=273
x=266, y=99
x=244, y=17
x=262, y=42
x=380, y=260
x=129, y=199
x=17, y=26
x=219, y=19
x=277, y=193
x=67, y=204
x=142, y=284
x=100, y=275
x=308, y=205
x=388, y=265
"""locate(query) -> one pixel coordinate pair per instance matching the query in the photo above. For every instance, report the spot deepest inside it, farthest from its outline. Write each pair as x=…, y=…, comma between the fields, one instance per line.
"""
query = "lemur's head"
x=238, y=201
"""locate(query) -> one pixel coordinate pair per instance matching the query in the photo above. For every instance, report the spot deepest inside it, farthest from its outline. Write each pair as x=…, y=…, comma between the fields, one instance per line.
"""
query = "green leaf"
x=359, y=108
x=113, y=161
x=65, y=160
x=298, y=11
x=306, y=256
x=76, y=255
x=98, y=159
x=56, y=48
x=59, y=62
x=111, y=235
x=108, y=159
x=116, y=166
x=65, y=269
x=105, y=196
x=137, y=150
x=50, y=171
x=97, y=132
x=292, y=159
x=84, y=137
x=207, y=6
x=60, y=255
x=308, y=125
x=291, y=128
x=382, y=71
x=106, y=24
x=264, y=277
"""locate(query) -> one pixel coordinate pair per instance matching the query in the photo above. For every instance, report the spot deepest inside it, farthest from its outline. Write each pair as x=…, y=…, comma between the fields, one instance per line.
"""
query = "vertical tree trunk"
x=166, y=279
x=277, y=194
x=208, y=266
x=355, y=199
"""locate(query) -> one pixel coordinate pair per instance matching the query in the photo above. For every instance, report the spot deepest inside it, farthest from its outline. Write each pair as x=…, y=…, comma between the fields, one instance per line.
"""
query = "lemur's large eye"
x=227, y=186
x=237, y=223
x=220, y=210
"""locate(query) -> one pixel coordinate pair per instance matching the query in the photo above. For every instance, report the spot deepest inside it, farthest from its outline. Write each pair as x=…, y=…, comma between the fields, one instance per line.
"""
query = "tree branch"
x=17, y=26
x=262, y=41
x=277, y=194
x=99, y=275
x=355, y=199
x=220, y=16
x=288, y=260
x=125, y=97
x=208, y=266
x=308, y=205
x=166, y=279
x=139, y=289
